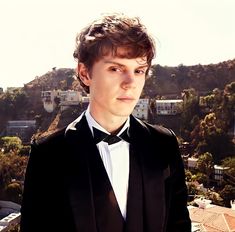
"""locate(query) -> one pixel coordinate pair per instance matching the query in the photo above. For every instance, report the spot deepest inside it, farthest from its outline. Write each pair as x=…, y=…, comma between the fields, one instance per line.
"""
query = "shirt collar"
x=93, y=123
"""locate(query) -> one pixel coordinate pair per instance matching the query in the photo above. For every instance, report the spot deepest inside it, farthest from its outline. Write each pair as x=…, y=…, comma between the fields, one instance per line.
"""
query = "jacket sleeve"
x=45, y=205
x=31, y=207
x=178, y=219
x=42, y=191
x=36, y=204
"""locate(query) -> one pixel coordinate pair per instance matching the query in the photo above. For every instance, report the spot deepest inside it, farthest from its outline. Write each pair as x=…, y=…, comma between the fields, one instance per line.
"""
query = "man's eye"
x=115, y=69
x=140, y=71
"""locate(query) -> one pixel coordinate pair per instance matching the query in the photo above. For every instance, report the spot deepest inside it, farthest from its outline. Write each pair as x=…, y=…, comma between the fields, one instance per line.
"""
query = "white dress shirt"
x=115, y=158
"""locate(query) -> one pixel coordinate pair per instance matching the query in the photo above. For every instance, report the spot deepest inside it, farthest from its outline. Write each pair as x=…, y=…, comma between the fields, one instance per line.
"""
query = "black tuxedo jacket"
x=67, y=188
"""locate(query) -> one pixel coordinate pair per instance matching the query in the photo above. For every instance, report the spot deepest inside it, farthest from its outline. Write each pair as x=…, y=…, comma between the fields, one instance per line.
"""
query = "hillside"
x=203, y=78
x=26, y=102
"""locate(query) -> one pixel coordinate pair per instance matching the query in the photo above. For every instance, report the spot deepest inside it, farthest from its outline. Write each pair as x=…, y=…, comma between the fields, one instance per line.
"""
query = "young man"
x=108, y=171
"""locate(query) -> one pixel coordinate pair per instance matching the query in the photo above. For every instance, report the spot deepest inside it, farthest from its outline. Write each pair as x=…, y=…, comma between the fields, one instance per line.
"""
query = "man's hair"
x=106, y=35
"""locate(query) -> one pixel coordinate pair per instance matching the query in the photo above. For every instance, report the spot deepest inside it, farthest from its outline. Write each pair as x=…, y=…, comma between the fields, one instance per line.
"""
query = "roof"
x=213, y=218
x=169, y=101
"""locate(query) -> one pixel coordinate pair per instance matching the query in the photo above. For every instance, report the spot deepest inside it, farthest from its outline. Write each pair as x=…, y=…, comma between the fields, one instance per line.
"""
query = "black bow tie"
x=110, y=139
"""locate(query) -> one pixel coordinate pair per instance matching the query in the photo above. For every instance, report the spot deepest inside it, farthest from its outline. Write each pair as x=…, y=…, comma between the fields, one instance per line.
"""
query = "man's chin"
x=124, y=113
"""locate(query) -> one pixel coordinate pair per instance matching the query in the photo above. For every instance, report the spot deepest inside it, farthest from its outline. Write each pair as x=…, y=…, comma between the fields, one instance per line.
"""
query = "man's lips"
x=125, y=98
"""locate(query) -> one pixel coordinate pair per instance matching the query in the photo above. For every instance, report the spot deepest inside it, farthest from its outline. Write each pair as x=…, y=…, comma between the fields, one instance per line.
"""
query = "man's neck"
x=113, y=124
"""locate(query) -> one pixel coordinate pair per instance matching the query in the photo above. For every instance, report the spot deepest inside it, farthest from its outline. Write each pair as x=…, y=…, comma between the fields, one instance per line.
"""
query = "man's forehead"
x=122, y=61
x=123, y=53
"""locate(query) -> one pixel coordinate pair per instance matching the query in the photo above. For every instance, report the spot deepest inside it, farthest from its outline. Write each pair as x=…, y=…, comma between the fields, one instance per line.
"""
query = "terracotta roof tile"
x=231, y=221
x=214, y=218
x=212, y=229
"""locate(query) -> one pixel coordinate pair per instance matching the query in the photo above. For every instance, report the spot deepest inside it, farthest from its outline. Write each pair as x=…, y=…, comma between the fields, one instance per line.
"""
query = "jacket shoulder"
x=53, y=137
x=158, y=129
x=146, y=129
x=163, y=130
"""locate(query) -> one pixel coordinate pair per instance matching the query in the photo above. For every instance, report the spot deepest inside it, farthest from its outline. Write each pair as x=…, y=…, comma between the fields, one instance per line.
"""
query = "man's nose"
x=128, y=80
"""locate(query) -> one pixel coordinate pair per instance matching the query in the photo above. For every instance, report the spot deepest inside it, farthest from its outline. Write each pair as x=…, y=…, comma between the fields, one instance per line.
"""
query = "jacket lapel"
x=152, y=169
x=93, y=201
x=134, y=222
x=79, y=180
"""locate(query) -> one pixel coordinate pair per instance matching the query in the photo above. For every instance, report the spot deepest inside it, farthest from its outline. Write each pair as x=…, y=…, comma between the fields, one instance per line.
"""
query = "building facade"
x=169, y=107
x=52, y=98
x=141, y=109
x=24, y=129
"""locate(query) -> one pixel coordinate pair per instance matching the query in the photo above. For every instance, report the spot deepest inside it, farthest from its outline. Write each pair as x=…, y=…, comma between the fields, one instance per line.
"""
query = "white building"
x=48, y=98
x=69, y=98
x=66, y=99
x=219, y=171
x=141, y=109
x=21, y=128
x=192, y=162
x=169, y=107
x=86, y=99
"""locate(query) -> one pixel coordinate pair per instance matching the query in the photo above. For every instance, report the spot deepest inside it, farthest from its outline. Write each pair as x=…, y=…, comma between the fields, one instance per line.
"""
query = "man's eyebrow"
x=113, y=62
x=123, y=65
x=144, y=66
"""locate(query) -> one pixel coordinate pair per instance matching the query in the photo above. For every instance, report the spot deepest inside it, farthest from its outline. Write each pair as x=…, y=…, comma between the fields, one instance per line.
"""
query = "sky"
x=37, y=35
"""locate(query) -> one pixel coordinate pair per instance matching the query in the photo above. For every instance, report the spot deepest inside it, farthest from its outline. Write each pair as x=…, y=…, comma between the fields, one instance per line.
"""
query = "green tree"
x=13, y=192
x=202, y=178
x=190, y=110
x=229, y=162
x=214, y=197
x=7, y=107
x=24, y=150
x=15, y=228
x=212, y=138
x=228, y=194
x=227, y=107
x=12, y=168
x=12, y=102
x=11, y=143
x=229, y=174
x=205, y=165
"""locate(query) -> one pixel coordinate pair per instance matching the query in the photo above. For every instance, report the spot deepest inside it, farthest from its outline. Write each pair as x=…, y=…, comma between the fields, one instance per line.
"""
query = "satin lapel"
x=134, y=222
x=152, y=169
x=79, y=179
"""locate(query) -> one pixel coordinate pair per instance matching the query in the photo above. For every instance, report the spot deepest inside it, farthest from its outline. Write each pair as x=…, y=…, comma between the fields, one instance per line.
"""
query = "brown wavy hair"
x=106, y=35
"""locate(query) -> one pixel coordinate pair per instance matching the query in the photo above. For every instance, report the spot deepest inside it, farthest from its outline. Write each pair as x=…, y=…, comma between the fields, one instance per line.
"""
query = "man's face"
x=115, y=85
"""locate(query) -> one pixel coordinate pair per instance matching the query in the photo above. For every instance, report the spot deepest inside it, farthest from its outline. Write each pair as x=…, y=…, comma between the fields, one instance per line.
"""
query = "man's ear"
x=83, y=74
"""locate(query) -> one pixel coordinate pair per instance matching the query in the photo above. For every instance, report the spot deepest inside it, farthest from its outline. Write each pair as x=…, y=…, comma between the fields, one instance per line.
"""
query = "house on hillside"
x=169, y=106
x=219, y=171
x=24, y=129
x=168, y=113
x=64, y=99
x=141, y=109
x=69, y=98
x=85, y=101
